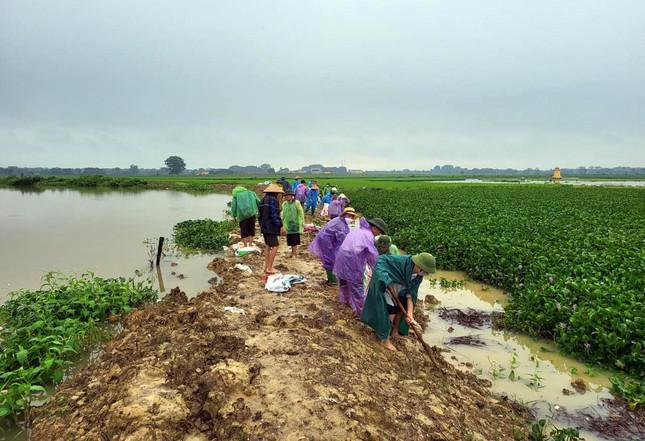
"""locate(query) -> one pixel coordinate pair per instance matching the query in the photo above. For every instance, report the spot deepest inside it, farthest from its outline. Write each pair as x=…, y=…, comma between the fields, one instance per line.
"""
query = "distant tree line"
x=176, y=165
x=450, y=170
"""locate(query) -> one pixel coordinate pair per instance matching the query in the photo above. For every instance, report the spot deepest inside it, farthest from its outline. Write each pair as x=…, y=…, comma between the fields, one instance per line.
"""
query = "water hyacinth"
x=565, y=257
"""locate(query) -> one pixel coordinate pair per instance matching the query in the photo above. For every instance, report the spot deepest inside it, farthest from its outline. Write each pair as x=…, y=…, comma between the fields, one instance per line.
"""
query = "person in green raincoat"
x=395, y=277
x=244, y=208
x=293, y=220
x=384, y=245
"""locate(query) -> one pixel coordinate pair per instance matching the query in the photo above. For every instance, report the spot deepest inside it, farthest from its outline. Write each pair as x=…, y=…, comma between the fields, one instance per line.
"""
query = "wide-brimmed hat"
x=348, y=211
x=383, y=241
x=378, y=223
x=289, y=192
x=426, y=262
x=274, y=188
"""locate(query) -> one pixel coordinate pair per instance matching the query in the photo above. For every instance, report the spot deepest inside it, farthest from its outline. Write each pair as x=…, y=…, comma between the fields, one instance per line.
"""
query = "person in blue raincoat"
x=312, y=199
x=325, y=201
x=395, y=277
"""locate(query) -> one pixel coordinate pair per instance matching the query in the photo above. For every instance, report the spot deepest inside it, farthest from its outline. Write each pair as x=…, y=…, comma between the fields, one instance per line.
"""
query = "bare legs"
x=269, y=259
x=388, y=342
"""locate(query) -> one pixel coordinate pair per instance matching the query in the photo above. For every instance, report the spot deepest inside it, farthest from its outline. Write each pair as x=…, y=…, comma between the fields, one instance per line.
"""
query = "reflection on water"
x=540, y=372
x=100, y=231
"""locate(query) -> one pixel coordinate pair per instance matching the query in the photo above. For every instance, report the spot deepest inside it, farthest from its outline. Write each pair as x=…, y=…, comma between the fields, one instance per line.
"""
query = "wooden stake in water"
x=160, y=278
x=159, y=250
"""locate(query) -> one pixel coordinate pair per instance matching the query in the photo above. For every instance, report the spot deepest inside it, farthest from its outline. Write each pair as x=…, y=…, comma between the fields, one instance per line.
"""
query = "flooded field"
x=100, y=231
x=598, y=183
x=528, y=370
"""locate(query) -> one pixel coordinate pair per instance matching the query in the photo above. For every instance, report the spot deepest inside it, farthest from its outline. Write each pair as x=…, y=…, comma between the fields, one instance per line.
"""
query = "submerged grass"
x=42, y=331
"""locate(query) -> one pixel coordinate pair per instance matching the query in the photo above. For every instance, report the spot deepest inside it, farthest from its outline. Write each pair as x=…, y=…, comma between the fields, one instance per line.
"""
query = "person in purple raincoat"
x=326, y=243
x=301, y=192
x=335, y=206
x=357, y=251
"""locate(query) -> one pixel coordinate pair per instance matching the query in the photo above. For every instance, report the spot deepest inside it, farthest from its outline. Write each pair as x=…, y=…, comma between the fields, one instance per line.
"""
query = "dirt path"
x=295, y=366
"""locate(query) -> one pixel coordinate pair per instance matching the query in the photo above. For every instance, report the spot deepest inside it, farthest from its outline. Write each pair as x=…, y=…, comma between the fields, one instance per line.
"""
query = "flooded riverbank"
x=528, y=370
x=99, y=231
x=583, y=182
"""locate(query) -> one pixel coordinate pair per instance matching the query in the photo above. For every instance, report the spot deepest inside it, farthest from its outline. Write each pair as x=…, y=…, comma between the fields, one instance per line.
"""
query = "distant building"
x=357, y=172
x=321, y=169
x=557, y=176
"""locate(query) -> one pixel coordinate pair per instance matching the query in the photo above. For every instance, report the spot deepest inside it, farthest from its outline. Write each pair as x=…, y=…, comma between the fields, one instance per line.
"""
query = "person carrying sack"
x=244, y=208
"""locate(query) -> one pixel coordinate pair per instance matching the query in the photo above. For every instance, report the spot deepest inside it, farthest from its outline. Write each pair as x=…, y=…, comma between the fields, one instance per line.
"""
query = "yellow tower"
x=556, y=175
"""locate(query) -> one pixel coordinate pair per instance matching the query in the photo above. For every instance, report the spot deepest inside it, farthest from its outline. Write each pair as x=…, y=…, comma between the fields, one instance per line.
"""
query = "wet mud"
x=292, y=366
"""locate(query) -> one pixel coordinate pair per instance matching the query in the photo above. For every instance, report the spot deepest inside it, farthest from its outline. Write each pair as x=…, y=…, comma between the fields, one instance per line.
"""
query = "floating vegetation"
x=203, y=234
x=571, y=258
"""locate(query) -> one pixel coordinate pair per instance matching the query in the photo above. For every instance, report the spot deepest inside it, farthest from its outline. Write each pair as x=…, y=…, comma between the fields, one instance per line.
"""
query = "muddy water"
x=599, y=183
x=103, y=232
x=540, y=372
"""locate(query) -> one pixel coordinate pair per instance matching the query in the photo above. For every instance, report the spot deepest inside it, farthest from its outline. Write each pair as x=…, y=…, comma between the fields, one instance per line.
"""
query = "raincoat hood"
x=239, y=189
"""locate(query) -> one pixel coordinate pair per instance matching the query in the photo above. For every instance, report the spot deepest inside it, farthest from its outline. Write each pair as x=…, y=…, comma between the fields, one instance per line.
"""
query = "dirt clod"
x=471, y=318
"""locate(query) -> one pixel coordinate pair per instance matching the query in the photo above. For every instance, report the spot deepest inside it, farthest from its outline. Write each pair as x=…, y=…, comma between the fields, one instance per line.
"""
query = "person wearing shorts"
x=244, y=208
x=270, y=224
x=293, y=220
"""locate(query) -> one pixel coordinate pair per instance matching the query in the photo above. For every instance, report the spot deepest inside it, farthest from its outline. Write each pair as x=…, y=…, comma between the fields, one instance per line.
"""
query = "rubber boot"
x=331, y=278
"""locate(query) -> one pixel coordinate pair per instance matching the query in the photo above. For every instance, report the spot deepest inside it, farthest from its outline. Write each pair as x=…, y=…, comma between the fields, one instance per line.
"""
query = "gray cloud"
x=373, y=84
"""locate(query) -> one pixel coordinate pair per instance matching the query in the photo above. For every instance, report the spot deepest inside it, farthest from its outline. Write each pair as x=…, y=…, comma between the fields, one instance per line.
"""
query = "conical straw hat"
x=273, y=188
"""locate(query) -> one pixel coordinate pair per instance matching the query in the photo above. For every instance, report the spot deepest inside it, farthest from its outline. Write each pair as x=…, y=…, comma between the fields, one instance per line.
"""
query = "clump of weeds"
x=42, y=331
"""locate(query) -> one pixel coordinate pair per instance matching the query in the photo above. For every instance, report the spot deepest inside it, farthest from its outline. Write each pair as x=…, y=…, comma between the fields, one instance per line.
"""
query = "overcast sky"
x=366, y=84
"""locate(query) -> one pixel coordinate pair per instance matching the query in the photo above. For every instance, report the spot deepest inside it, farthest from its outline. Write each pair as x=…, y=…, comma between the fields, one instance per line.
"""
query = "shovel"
x=418, y=332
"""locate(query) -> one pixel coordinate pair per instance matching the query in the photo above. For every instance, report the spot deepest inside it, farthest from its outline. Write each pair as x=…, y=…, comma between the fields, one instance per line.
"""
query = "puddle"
x=188, y=272
x=531, y=371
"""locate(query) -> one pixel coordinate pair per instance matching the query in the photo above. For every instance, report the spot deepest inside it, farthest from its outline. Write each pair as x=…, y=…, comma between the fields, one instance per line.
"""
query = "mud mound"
x=293, y=366
x=471, y=318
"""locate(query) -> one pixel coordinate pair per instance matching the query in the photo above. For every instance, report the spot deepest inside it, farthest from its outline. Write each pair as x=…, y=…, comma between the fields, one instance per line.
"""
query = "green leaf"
x=21, y=356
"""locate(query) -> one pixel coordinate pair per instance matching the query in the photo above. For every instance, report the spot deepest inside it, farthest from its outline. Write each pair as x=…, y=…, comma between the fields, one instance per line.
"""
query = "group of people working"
x=374, y=279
